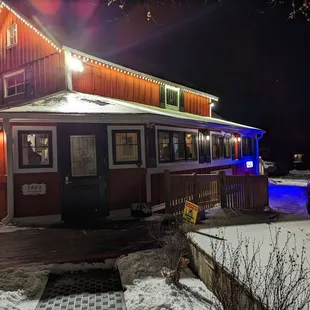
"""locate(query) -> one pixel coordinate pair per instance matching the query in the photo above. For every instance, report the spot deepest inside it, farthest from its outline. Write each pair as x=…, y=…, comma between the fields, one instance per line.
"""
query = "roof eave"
x=144, y=75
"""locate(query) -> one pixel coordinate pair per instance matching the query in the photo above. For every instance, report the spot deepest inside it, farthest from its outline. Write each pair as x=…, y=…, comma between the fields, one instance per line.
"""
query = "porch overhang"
x=74, y=107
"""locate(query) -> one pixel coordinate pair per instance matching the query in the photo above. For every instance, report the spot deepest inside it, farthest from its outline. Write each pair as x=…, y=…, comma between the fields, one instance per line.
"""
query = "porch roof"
x=71, y=106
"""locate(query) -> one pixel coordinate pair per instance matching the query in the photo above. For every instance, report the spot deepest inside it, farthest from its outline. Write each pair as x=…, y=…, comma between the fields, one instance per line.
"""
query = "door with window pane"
x=83, y=167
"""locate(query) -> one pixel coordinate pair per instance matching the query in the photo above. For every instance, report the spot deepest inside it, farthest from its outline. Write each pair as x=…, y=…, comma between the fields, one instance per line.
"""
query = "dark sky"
x=257, y=63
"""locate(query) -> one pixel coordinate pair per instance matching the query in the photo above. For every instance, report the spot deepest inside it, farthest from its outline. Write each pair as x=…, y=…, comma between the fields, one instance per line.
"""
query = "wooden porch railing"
x=208, y=190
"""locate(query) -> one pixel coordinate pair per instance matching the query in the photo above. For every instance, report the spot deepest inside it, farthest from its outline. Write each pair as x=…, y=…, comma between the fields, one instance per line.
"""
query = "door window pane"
x=83, y=156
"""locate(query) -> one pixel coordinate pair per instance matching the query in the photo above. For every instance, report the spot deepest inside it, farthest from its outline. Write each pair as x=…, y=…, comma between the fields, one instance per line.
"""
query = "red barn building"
x=83, y=137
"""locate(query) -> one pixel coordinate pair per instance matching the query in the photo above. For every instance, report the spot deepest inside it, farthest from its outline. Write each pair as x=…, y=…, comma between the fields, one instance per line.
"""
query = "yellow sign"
x=190, y=212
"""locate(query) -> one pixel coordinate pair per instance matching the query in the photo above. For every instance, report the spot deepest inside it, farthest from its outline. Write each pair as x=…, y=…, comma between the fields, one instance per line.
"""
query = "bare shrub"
x=280, y=281
x=170, y=233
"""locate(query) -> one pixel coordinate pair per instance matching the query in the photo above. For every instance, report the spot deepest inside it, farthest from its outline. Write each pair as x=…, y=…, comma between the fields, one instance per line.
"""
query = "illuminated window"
x=14, y=83
x=177, y=146
x=126, y=146
x=11, y=35
x=35, y=149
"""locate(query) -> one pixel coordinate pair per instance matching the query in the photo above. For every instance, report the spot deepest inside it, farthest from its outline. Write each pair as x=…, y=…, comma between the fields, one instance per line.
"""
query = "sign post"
x=190, y=212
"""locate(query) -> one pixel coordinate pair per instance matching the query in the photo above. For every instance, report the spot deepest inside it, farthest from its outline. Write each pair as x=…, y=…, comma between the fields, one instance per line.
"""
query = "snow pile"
x=288, y=182
x=21, y=288
x=146, y=289
x=155, y=294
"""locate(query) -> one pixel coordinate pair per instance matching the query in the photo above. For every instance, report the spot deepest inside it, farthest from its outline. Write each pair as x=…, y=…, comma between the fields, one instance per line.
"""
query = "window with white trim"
x=221, y=147
x=172, y=98
x=14, y=83
x=11, y=35
x=35, y=149
x=176, y=146
x=126, y=147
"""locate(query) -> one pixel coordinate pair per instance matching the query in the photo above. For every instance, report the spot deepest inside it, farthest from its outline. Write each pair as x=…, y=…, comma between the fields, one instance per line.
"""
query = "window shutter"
x=150, y=136
x=29, y=89
x=162, y=96
x=1, y=91
x=181, y=102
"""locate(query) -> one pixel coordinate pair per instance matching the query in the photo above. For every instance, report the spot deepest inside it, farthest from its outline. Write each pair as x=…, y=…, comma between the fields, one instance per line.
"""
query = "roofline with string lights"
x=86, y=58
x=57, y=47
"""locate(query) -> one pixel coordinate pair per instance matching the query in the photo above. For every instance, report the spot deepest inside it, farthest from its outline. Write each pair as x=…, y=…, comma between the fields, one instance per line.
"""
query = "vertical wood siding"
x=114, y=84
x=30, y=45
x=196, y=104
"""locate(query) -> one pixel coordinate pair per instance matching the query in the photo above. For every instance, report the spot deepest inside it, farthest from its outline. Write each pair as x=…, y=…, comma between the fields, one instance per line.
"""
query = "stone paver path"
x=92, y=290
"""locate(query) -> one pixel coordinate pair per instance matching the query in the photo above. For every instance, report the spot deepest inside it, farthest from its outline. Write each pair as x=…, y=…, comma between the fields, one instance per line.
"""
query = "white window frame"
x=15, y=131
x=9, y=44
x=5, y=83
x=177, y=90
x=176, y=163
x=253, y=150
x=110, y=146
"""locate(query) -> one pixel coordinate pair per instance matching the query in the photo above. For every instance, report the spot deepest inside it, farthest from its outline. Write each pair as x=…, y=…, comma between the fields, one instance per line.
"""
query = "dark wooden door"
x=82, y=162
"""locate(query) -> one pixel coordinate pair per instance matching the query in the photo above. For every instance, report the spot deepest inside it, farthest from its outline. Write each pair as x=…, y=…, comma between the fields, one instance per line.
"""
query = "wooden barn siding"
x=48, y=74
x=126, y=186
x=196, y=104
x=114, y=84
x=3, y=207
x=30, y=45
x=37, y=205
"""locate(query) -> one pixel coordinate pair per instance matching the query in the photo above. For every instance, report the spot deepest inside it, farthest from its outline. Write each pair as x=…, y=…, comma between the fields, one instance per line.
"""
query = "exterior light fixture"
x=211, y=104
x=239, y=139
x=208, y=137
x=75, y=64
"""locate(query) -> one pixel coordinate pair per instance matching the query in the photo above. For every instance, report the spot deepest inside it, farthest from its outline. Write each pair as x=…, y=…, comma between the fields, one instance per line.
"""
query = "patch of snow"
x=288, y=199
x=155, y=294
x=287, y=181
x=256, y=234
x=21, y=288
x=10, y=228
x=146, y=289
x=300, y=172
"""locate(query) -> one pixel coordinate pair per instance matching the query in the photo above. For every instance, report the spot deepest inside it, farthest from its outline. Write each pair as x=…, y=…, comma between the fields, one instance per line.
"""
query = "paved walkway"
x=92, y=290
x=58, y=245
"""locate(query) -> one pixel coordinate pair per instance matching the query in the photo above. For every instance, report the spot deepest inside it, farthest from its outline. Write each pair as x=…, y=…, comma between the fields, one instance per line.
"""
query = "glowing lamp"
x=212, y=104
x=75, y=64
x=208, y=138
x=239, y=139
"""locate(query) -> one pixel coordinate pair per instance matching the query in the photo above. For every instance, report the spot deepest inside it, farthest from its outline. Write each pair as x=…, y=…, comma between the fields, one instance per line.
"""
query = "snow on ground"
x=10, y=228
x=21, y=288
x=295, y=233
x=300, y=172
x=288, y=199
x=286, y=181
x=146, y=289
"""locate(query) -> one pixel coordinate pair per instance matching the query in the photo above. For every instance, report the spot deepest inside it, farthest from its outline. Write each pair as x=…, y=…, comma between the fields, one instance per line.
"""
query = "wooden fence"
x=210, y=190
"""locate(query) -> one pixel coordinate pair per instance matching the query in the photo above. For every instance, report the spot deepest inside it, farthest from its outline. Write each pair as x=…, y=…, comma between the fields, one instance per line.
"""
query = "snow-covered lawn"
x=146, y=289
x=295, y=235
x=21, y=288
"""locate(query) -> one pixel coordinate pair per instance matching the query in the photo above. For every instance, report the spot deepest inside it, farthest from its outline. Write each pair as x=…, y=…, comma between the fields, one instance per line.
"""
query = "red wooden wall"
x=196, y=104
x=115, y=84
x=30, y=45
x=3, y=207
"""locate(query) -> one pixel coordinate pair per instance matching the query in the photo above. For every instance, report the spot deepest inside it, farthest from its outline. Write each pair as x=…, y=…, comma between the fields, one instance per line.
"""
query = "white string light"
x=3, y=4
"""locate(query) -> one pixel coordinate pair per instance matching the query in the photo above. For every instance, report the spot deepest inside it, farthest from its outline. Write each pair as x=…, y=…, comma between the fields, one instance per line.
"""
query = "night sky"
x=257, y=63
